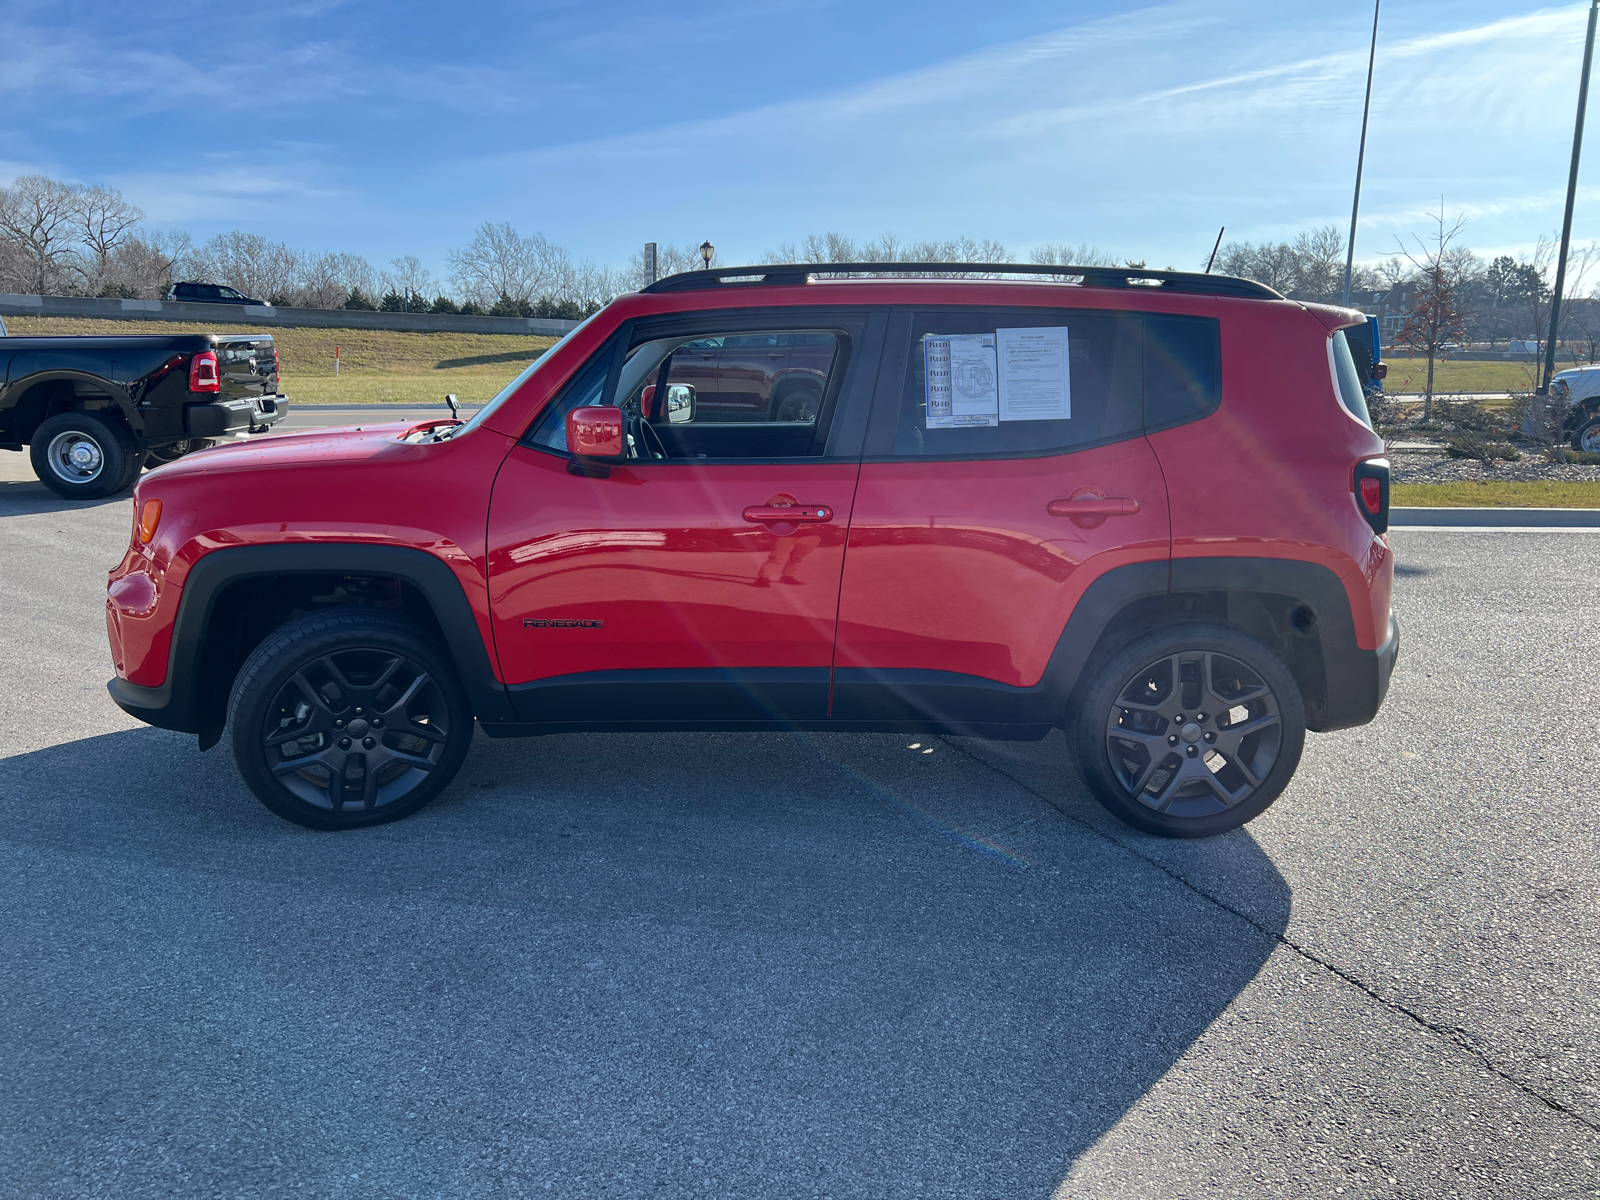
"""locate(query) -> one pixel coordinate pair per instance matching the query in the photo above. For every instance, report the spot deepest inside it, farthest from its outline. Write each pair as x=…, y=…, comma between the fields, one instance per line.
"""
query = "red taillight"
x=203, y=375
x=1372, y=495
x=275, y=372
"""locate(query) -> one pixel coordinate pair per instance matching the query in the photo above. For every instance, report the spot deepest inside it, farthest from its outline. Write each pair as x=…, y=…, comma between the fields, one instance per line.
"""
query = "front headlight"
x=1560, y=388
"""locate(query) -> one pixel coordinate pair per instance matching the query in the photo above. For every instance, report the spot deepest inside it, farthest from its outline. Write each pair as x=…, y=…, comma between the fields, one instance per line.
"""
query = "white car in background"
x=1580, y=386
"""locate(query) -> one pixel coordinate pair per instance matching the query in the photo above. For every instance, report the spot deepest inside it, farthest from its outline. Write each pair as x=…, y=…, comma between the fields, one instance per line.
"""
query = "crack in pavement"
x=1454, y=1035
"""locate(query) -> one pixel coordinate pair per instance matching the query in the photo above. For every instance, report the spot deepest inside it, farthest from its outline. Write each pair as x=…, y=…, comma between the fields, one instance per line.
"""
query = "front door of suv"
x=677, y=590
x=977, y=528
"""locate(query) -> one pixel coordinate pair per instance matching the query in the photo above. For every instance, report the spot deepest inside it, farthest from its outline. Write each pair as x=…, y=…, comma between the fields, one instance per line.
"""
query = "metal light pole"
x=1361, y=155
x=1572, y=195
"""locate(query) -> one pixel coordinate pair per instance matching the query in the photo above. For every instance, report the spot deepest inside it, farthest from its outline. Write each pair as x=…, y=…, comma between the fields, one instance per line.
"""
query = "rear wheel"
x=85, y=455
x=1587, y=436
x=347, y=718
x=1190, y=731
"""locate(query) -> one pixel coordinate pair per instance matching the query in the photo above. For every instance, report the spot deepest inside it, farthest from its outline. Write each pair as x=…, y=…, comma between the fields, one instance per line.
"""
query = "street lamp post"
x=707, y=249
x=1361, y=155
x=1566, y=221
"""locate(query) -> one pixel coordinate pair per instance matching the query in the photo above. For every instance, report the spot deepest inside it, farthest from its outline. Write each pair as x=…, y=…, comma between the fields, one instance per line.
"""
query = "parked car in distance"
x=1148, y=510
x=94, y=411
x=1580, y=387
x=210, y=293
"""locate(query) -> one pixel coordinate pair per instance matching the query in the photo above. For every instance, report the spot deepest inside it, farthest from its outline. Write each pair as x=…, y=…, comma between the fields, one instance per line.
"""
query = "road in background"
x=843, y=965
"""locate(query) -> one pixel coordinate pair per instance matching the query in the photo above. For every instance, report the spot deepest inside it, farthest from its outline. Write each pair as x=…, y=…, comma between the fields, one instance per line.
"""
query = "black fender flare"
x=118, y=394
x=172, y=704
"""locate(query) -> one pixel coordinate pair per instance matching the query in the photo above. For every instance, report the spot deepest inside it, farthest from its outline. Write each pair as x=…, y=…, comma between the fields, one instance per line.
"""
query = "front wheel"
x=348, y=717
x=1190, y=731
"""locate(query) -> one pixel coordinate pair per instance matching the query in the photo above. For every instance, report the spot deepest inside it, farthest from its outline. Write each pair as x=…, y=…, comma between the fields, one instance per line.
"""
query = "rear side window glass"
x=1347, y=379
x=1018, y=382
x=1182, y=369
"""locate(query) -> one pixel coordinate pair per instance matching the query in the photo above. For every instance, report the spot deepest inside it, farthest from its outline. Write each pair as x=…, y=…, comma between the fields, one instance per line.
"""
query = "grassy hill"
x=376, y=365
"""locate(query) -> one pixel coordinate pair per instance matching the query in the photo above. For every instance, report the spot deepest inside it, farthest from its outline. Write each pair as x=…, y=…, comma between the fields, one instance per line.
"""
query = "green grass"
x=1411, y=375
x=376, y=365
x=1496, y=493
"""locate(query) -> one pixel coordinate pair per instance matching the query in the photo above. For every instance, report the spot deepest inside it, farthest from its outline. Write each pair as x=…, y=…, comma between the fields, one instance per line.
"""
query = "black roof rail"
x=787, y=274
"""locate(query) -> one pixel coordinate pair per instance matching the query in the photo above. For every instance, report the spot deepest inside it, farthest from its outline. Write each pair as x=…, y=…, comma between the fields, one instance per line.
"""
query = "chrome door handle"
x=1094, y=506
x=798, y=513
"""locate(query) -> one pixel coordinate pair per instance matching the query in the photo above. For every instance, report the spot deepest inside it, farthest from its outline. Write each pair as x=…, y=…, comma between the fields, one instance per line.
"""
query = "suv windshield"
x=482, y=415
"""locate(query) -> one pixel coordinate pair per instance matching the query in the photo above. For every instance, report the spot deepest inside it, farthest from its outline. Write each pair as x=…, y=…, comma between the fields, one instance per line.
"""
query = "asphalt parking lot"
x=686, y=965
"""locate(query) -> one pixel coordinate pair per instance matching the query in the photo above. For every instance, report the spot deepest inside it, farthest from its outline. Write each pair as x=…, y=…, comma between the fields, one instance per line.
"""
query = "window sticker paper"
x=962, y=380
x=1035, y=383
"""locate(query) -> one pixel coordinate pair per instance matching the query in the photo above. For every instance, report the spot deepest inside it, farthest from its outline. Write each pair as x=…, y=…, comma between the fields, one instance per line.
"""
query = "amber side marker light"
x=149, y=518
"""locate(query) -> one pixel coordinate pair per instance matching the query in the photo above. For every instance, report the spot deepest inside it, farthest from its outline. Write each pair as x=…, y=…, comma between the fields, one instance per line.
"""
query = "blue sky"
x=387, y=129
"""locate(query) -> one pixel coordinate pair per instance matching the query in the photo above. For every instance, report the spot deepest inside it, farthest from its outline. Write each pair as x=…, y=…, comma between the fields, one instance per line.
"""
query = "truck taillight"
x=275, y=372
x=203, y=374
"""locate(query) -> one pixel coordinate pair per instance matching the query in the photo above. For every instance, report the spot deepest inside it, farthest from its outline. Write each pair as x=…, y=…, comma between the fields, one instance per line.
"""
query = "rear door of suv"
x=1005, y=469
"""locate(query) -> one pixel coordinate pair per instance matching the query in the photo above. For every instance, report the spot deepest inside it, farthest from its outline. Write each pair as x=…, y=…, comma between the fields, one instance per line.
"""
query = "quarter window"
x=1022, y=382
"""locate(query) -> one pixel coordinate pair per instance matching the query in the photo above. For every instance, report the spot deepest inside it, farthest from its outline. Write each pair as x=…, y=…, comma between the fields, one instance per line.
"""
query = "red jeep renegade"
x=1146, y=509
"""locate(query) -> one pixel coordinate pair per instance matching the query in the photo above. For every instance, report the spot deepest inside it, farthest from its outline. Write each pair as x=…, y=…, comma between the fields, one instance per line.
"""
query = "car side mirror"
x=1380, y=370
x=595, y=433
x=680, y=406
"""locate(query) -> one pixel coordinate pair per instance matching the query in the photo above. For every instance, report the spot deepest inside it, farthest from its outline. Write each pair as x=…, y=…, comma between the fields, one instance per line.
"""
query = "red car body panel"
x=944, y=565
x=959, y=566
x=1257, y=475
x=356, y=485
x=662, y=555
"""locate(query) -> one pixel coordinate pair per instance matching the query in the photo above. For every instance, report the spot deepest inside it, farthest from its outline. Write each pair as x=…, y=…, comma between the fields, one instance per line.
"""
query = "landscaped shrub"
x=443, y=304
x=1470, y=445
x=358, y=299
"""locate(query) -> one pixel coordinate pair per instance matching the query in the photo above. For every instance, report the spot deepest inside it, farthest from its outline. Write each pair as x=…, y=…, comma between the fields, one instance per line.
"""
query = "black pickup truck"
x=94, y=411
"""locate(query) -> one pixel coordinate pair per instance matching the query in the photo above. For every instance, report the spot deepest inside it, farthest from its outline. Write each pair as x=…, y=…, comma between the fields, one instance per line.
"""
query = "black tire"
x=1586, y=437
x=1195, y=777
x=160, y=456
x=354, y=683
x=85, y=455
x=799, y=403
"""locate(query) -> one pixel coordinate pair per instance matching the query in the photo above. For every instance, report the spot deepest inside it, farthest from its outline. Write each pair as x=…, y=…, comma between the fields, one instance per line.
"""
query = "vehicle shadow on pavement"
x=680, y=964
x=19, y=497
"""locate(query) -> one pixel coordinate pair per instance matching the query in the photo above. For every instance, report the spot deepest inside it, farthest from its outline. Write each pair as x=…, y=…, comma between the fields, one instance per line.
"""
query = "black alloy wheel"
x=85, y=455
x=1190, y=731
x=348, y=717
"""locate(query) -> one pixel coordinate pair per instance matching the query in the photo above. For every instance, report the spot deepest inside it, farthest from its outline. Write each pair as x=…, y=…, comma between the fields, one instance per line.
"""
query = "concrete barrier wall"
x=268, y=316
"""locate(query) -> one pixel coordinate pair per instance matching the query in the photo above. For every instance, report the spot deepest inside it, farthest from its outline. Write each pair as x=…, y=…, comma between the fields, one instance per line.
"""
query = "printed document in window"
x=1035, y=382
x=962, y=381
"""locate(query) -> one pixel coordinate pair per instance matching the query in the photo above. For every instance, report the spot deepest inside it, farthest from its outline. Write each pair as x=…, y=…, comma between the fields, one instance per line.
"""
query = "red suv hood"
x=343, y=444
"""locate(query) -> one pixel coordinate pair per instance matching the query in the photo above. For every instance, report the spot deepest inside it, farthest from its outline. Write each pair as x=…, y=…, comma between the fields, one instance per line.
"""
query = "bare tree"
x=1081, y=255
x=105, y=220
x=1435, y=319
x=39, y=215
x=142, y=265
x=327, y=280
x=250, y=263
x=834, y=247
x=500, y=262
x=671, y=260
x=407, y=277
